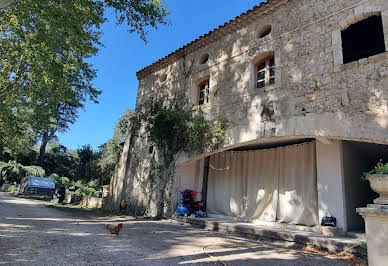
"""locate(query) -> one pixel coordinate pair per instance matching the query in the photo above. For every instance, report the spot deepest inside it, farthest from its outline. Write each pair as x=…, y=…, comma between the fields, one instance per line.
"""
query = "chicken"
x=115, y=229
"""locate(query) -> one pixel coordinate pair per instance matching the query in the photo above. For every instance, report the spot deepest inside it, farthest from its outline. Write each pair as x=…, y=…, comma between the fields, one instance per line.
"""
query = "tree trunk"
x=46, y=137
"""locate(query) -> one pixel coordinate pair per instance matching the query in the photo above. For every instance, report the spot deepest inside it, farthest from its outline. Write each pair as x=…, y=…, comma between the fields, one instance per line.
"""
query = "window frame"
x=359, y=13
x=268, y=79
x=347, y=55
x=205, y=83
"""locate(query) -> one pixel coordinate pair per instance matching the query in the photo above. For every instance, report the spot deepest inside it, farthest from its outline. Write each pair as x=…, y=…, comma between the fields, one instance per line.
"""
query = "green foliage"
x=380, y=168
x=60, y=181
x=138, y=14
x=112, y=149
x=8, y=188
x=15, y=172
x=43, y=63
x=87, y=166
x=45, y=47
x=59, y=160
x=82, y=189
x=175, y=130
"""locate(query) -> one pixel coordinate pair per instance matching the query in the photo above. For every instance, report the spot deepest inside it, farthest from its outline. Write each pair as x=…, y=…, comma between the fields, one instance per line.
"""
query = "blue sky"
x=124, y=54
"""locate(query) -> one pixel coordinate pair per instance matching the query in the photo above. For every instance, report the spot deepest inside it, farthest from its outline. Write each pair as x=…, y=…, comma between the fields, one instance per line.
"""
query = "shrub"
x=15, y=172
x=380, y=168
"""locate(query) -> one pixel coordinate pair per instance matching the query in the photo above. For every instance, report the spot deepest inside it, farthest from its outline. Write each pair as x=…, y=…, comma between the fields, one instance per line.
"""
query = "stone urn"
x=376, y=221
x=379, y=184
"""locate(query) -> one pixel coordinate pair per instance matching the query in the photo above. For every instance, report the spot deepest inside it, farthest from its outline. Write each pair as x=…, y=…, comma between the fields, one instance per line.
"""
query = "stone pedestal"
x=376, y=226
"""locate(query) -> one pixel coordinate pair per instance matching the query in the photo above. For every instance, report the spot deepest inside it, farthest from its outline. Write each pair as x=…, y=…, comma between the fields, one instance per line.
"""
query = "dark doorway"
x=363, y=39
x=359, y=157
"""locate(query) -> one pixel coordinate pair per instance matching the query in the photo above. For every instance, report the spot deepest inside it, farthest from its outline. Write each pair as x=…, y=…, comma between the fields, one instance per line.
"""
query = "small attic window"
x=163, y=77
x=203, y=59
x=363, y=39
x=264, y=31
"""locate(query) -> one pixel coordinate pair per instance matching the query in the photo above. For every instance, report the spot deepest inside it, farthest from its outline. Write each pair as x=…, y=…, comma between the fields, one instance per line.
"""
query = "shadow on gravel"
x=33, y=234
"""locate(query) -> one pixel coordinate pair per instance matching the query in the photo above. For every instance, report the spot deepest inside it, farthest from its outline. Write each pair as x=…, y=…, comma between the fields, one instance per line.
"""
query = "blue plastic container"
x=181, y=210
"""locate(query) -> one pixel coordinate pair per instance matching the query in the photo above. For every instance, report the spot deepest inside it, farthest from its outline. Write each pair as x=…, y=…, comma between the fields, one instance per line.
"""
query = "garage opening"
x=363, y=39
x=276, y=184
x=359, y=157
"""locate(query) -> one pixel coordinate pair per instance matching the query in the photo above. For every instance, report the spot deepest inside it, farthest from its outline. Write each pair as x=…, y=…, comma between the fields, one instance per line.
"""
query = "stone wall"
x=314, y=94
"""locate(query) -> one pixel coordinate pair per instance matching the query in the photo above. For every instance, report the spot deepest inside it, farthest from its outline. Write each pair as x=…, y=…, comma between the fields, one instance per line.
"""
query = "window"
x=203, y=59
x=163, y=77
x=363, y=39
x=265, y=72
x=264, y=31
x=203, y=92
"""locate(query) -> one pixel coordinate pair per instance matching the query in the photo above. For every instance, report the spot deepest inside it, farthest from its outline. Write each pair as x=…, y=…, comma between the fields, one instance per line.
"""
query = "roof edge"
x=221, y=31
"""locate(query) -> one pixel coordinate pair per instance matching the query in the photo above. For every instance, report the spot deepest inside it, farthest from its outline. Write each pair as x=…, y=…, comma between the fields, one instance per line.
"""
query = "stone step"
x=272, y=234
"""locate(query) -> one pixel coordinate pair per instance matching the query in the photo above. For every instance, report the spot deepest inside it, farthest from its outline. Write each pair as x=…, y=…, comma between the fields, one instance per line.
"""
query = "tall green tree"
x=110, y=151
x=112, y=148
x=44, y=50
x=67, y=114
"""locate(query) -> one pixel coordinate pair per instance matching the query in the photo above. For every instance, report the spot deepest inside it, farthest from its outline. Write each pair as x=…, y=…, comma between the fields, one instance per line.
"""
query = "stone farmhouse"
x=304, y=85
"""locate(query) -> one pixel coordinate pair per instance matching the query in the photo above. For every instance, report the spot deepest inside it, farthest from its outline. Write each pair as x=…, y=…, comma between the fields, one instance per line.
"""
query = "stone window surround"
x=253, y=70
x=195, y=90
x=359, y=13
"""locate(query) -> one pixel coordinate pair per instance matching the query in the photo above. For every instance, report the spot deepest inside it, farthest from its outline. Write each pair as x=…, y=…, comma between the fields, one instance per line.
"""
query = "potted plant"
x=378, y=179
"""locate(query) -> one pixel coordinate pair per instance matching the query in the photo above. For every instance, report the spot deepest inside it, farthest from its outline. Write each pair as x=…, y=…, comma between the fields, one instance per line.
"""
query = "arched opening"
x=363, y=39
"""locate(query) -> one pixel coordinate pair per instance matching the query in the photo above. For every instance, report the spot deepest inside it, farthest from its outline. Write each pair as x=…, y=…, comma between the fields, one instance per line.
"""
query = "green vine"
x=176, y=130
x=172, y=130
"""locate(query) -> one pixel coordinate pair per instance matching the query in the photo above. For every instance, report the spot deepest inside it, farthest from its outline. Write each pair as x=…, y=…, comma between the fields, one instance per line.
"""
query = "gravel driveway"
x=33, y=234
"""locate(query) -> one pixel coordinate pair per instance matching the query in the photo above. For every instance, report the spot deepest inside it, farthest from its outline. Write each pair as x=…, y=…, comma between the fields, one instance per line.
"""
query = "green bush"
x=61, y=181
x=15, y=172
x=82, y=189
x=8, y=188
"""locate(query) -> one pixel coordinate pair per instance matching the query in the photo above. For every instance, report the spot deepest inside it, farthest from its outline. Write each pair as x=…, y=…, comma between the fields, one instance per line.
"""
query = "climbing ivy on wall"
x=175, y=130
x=172, y=130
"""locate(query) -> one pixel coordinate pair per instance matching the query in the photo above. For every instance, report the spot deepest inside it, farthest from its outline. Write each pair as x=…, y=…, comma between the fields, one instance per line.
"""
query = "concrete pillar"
x=330, y=181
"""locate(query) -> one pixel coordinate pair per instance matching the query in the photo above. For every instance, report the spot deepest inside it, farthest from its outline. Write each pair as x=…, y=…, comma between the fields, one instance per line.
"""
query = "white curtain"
x=189, y=176
x=298, y=194
x=265, y=185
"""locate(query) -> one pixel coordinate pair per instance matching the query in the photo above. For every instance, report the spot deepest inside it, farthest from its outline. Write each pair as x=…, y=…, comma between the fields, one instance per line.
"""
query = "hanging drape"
x=265, y=185
x=189, y=176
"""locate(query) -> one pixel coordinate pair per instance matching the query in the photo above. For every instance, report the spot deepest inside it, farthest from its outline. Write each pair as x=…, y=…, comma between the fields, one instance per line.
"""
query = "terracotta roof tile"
x=221, y=31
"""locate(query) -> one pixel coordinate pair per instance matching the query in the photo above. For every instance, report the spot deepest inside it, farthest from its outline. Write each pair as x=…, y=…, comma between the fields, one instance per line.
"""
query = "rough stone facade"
x=314, y=95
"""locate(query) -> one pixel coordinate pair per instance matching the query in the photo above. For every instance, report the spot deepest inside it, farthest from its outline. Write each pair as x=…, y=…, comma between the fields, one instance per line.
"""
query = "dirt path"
x=32, y=234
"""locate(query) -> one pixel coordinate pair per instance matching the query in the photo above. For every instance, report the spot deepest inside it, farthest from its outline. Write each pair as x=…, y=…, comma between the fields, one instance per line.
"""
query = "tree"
x=44, y=47
x=60, y=161
x=67, y=114
x=87, y=164
x=111, y=150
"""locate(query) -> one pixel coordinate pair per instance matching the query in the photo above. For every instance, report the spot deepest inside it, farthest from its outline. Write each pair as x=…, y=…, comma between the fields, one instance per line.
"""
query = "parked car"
x=33, y=185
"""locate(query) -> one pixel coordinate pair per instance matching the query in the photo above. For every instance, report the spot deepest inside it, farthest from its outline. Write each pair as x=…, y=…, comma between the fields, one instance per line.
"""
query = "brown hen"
x=115, y=229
